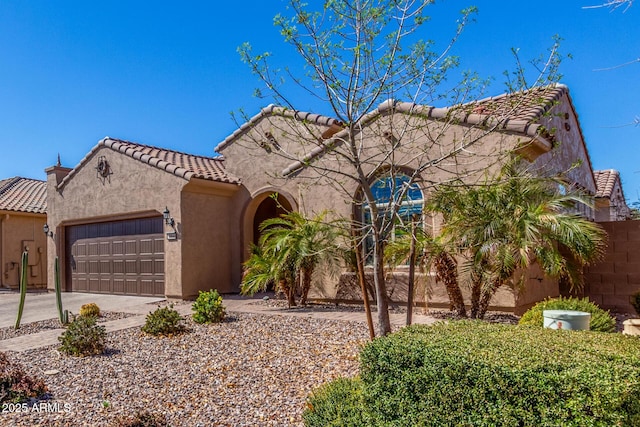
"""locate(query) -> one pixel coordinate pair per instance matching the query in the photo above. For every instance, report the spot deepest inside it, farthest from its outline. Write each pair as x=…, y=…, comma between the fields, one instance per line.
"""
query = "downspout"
x=3, y=219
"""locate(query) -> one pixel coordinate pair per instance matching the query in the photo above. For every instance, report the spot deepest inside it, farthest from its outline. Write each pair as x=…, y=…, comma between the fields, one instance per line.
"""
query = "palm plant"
x=431, y=253
x=262, y=271
x=290, y=248
x=507, y=224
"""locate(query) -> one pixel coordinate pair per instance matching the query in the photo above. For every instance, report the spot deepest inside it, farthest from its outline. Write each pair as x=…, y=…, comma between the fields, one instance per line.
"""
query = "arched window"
x=398, y=200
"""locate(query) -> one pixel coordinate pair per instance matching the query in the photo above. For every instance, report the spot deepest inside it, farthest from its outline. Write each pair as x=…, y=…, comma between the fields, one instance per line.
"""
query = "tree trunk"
x=288, y=290
x=447, y=272
x=384, y=323
x=487, y=294
x=476, y=291
x=412, y=271
x=306, y=274
x=361, y=281
x=291, y=296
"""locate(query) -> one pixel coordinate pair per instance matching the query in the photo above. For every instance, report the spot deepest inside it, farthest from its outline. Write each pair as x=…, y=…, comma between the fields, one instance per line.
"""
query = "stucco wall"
x=208, y=229
x=429, y=293
x=16, y=231
x=418, y=142
x=569, y=153
x=614, y=208
x=133, y=189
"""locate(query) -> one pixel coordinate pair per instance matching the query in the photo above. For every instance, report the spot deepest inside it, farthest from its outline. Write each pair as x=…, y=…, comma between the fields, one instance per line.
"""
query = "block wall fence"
x=613, y=280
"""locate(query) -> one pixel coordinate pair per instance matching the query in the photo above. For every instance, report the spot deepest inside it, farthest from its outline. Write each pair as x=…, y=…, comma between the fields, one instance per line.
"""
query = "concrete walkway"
x=42, y=305
x=141, y=306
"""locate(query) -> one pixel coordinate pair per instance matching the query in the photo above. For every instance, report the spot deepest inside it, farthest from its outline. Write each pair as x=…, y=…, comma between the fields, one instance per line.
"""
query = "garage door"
x=119, y=257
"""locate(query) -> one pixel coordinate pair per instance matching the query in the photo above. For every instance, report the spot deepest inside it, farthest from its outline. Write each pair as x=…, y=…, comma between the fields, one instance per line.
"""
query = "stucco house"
x=22, y=218
x=136, y=219
x=609, y=201
x=139, y=220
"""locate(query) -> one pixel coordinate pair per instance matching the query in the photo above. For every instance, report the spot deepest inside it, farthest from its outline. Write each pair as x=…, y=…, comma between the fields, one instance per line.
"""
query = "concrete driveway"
x=42, y=306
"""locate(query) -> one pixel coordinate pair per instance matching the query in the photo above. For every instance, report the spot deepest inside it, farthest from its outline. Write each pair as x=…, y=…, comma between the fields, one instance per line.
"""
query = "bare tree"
x=612, y=4
x=379, y=154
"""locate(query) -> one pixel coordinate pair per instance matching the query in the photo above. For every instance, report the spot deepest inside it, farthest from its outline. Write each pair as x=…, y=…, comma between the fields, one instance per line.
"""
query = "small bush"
x=336, y=404
x=90, y=310
x=601, y=320
x=142, y=419
x=15, y=385
x=165, y=321
x=478, y=374
x=635, y=302
x=83, y=337
x=208, y=307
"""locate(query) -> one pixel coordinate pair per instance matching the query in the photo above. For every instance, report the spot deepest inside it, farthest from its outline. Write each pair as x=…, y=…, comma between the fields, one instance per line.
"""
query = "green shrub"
x=601, y=320
x=478, y=374
x=208, y=307
x=165, y=321
x=635, y=302
x=15, y=385
x=90, y=310
x=83, y=337
x=336, y=404
x=142, y=419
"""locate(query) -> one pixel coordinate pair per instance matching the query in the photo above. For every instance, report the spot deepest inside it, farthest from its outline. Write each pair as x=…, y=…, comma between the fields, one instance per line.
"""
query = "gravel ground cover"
x=492, y=316
x=45, y=325
x=251, y=370
x=442, y=314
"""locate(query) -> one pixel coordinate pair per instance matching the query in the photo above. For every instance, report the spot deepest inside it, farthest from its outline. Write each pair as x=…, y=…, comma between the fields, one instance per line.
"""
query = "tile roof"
x=183, y=165
x=605, y=182
x=23, y=195
x=529, y=105
x=273, y=110
x=517, y=112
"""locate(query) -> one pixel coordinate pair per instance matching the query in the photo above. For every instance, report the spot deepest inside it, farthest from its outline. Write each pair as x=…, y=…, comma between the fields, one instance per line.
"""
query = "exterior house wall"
x=261, y=174
x=17, y=230
x=614, y=208
x=429, y=293
x=569, y=154
x=610, y=282
x=209, y=229
x=133, y=189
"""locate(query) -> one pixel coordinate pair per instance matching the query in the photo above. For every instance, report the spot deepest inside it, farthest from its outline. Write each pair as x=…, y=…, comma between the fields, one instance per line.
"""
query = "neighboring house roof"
x=273, y=110
x=23, y=195
x=180, y=164
x=518, y=112
x=606, y=182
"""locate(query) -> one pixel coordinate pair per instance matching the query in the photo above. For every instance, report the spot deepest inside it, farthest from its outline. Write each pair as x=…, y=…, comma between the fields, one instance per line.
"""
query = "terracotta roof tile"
x=23, y=195
x=517, y=112
x=527, y=105
x=183, y=165
x=605, y=182
x=274, y=110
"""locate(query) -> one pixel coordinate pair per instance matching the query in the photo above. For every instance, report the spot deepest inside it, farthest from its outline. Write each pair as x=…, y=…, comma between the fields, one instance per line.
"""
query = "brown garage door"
x=119, y=257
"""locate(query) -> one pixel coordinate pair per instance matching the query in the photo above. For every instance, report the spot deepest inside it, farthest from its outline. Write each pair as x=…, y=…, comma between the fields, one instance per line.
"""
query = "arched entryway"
x=271, y=207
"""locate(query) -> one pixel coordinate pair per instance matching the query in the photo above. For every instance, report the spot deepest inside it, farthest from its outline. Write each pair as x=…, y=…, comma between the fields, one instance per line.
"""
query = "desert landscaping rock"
x=251, y=370
x=50, y=324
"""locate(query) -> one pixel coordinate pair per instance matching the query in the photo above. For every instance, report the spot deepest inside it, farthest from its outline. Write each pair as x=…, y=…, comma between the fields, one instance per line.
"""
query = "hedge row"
x=479, y=374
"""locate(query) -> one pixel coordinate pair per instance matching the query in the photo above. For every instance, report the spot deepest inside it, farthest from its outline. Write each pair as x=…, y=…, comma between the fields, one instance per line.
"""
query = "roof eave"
x=274, y=110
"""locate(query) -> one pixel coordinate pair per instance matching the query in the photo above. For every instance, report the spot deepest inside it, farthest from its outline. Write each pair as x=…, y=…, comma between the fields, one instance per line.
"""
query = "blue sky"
x=169, y=75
